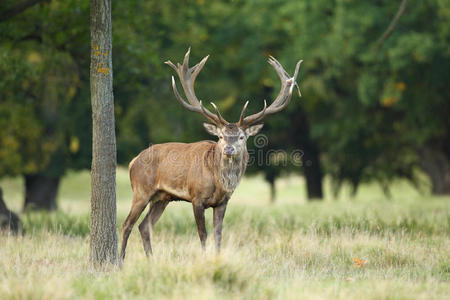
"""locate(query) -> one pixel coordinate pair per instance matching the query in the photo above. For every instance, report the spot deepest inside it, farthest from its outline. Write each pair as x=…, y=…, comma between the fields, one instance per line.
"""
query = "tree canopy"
x=371, y=111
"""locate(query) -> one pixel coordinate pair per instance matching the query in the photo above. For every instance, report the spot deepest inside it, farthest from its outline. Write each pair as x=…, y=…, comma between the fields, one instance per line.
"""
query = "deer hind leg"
x=137, y=207
x=155, y=211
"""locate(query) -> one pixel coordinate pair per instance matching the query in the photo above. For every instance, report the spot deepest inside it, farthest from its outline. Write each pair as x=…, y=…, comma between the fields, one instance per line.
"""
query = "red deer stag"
x=204, y=173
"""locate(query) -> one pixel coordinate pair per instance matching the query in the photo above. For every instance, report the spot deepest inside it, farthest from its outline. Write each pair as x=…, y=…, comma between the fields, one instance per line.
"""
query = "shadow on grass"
x=264, y=221
x=55, y=222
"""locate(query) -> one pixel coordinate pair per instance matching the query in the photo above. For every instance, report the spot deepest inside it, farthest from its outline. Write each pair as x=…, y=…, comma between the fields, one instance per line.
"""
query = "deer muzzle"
x=229, y=150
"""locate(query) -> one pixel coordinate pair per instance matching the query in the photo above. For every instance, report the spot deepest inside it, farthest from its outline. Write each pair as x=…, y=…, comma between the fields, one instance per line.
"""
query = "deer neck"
x=229, y=170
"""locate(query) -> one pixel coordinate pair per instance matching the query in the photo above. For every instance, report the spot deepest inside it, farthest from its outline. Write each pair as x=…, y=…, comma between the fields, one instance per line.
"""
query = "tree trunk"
x=9, y=220
x=41, y=192
x=270, y=178
x=103, y=237
x=311, y=154
x=437, y=166
x=313, y=171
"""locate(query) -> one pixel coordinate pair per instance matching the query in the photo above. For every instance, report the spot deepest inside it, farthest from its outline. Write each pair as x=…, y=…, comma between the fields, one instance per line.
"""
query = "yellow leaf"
x=71, y=92
x=359, y=262
x=34, y=57
x=401, y=86
x=387, y=102
x=74, y=145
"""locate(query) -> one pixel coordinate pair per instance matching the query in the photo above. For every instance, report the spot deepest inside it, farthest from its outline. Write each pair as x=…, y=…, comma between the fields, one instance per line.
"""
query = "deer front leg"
x=219, y=213
x=199, y=214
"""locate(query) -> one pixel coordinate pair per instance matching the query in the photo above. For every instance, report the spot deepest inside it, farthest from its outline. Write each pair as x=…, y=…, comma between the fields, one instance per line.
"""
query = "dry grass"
x=289, y=250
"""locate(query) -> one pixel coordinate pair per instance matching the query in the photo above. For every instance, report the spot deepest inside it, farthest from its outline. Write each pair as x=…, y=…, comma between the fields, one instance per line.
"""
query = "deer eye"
x=241, y=137
x=221, y=137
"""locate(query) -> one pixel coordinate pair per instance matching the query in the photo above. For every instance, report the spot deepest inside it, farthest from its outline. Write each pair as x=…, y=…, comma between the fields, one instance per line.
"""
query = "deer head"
x=232, y=136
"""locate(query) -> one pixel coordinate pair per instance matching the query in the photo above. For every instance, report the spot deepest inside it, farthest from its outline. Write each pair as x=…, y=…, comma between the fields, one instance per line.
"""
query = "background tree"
x=8, y=220
x=43, y=104
x=103, y=244
x=378, y=111
x=369, y=112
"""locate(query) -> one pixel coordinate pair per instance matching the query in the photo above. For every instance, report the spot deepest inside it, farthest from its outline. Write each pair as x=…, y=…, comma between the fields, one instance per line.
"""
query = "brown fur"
x=195, y=173
x=187, y=172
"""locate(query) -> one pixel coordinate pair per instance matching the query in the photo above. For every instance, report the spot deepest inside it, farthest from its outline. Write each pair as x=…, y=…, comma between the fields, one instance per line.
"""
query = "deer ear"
x=252, y=130
x=212, y=129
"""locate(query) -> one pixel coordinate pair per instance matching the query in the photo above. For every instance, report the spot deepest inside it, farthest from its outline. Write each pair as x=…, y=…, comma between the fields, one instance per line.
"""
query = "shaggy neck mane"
x=230, y=170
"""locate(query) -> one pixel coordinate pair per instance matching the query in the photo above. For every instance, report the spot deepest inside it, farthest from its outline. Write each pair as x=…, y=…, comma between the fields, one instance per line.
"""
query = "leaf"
x=359, y=263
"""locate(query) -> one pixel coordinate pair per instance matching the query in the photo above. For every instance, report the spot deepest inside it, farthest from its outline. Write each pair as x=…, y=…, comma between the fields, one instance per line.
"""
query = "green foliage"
x=41, y=52
x=370, y=111
x=379, y=108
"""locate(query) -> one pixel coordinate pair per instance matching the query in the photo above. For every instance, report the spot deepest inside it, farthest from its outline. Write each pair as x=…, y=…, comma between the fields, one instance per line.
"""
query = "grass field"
x=367, y=247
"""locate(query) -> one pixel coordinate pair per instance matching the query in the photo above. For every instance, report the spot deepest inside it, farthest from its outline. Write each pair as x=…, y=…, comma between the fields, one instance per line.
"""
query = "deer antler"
x=187, y=77
x=281, y=101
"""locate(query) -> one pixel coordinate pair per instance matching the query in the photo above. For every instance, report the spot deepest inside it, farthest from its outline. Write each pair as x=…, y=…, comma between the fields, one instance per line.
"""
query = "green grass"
x=288, y=250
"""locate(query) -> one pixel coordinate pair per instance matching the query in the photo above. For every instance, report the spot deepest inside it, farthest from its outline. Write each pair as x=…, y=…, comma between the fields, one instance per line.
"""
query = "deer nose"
x=229, y=150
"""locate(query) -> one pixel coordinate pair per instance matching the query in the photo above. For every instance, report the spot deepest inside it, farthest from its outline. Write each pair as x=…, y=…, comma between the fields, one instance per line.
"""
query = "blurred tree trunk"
x=103, y=238
x=310, y=159
x=298, y=133
x=437, y=166
x=8, y=219
x=313, y=171
x=270, y=178
x=41, y=191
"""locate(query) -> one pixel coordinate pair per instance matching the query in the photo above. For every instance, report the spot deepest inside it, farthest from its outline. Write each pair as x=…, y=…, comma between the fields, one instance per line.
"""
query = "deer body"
x=203, y=173
x=196, y=173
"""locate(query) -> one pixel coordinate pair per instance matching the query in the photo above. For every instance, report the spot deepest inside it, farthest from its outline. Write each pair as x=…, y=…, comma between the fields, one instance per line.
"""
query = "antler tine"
x=187, y=77
x=171, y=65
x=241, y=118
x=198, y=67
x=255, y=118
x=297, y=68
x=284, y=96
x=216, y=119
x=186, y=61
x=218, y=114
x=259, y=116
x=278, y=67
x=179, y=98
x=206, y=111
x=190, y=107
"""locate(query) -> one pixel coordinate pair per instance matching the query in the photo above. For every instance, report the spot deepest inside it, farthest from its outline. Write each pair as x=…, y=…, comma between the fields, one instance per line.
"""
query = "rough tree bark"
x=9, y=220
x=103, y=238
x=41, y=192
